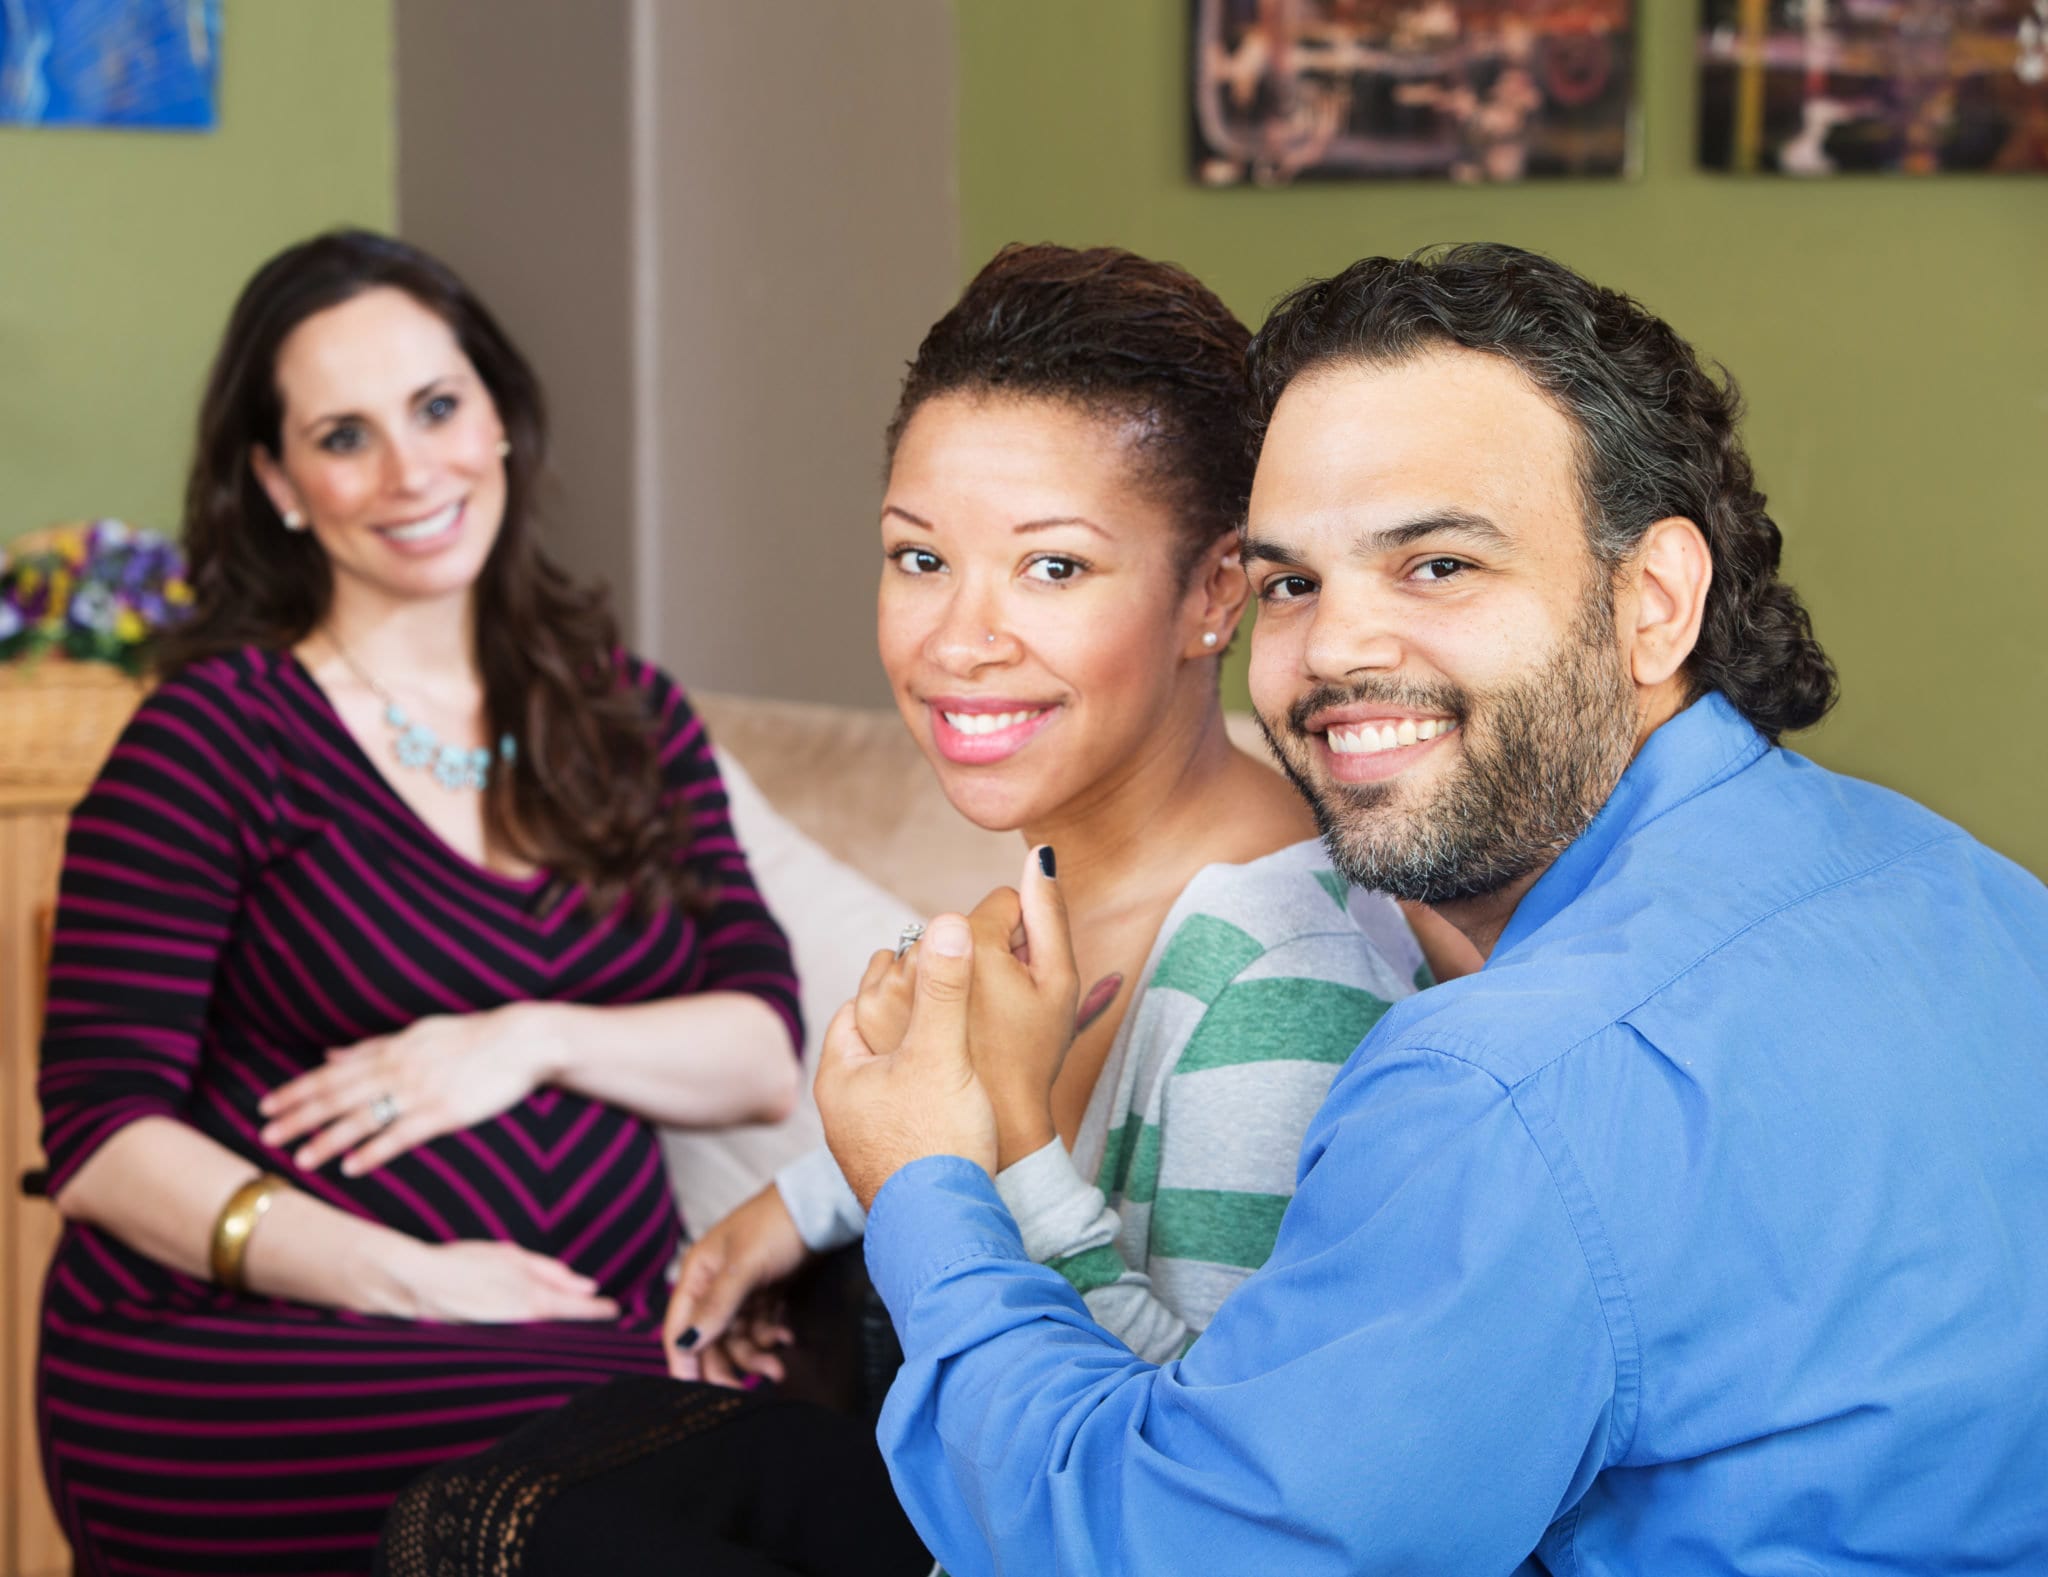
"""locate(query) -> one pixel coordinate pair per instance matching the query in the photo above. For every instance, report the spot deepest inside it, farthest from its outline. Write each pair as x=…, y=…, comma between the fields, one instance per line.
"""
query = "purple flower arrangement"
x=94, y=593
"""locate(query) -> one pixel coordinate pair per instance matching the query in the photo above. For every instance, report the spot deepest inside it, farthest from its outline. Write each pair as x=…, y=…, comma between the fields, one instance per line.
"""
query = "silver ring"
x=906, y=938
x=384, y=1110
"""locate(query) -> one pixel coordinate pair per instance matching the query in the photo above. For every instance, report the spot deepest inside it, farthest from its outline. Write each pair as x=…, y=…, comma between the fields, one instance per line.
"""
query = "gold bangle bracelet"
x=237, y=1220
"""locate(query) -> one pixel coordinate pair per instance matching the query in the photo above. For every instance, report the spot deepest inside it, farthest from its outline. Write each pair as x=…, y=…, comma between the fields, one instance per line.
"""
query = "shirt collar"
x=1704, y=744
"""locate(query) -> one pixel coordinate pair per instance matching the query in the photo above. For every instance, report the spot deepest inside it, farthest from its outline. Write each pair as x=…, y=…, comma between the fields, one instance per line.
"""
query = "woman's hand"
x=720, y=1302
x=1023, y=1017
x=441, y=1074
x=486, y=1283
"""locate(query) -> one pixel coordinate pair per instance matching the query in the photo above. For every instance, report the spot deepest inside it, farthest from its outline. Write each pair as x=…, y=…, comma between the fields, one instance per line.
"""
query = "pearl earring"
x=294, y=521
x=504, y=447
x=1208, y=637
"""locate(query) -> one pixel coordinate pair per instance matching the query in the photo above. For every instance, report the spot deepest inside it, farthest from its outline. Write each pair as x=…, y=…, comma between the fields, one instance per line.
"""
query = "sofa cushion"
x=834, y=918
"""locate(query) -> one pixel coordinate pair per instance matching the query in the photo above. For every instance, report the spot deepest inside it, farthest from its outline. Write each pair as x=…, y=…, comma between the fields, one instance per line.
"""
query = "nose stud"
x=991, y=637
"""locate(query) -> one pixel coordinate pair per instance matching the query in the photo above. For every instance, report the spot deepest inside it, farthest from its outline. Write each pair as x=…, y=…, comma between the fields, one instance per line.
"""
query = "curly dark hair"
x=1115, y=334
x=1657, y=433
x=586, y=798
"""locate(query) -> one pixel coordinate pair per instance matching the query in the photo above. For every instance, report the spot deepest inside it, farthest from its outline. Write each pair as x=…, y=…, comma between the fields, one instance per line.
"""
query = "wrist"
x=387, y=1271
x=1021, y=1130
x=538, y=1034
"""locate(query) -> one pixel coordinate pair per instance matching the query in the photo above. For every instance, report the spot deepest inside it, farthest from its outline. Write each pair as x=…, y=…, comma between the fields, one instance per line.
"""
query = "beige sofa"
x=850, y=838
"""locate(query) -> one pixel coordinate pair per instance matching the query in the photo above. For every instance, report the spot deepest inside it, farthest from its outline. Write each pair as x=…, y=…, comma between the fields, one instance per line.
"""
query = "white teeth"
x=432, y=526
x=986, y=722
x=1365, y=739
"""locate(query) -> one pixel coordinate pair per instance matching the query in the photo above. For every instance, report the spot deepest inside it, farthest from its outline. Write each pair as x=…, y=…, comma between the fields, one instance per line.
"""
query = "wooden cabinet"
x=31, y=835
x=50, y=748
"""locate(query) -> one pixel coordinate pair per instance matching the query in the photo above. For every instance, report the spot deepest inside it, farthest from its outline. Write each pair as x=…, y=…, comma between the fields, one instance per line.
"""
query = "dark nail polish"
x=1046, y=863
x=688, y=1339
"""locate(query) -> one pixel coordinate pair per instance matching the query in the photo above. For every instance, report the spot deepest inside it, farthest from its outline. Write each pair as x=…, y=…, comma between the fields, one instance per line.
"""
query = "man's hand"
x=884, y=1109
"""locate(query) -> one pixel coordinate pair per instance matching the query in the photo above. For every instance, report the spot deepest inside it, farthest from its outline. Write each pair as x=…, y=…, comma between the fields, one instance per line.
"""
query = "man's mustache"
x=1444, y=700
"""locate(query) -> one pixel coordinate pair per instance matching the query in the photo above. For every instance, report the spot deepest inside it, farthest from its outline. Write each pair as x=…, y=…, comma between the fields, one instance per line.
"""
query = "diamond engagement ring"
x=384, y=1110
x=906, y=938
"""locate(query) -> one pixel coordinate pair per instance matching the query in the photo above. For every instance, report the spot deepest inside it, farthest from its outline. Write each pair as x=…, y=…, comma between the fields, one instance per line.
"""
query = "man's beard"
x=1540, y=756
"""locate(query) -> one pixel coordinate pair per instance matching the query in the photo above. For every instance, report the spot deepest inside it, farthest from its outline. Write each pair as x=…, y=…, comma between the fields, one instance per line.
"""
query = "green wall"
x=1891, y=336
x=120, y=253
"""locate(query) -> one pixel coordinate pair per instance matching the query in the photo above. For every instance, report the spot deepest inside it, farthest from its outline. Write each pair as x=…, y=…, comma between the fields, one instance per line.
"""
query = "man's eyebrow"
x=1266, y=551
x=1474, y=528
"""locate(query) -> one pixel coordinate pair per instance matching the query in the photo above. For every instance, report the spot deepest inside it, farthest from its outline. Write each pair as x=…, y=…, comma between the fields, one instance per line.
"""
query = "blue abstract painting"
x=134, y=63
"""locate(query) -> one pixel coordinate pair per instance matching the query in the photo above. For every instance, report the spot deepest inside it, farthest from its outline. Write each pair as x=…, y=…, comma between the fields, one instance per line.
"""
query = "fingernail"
x=302, y=1158
x=688, y=1339
x=1046, y=862
x=949, y=935
x=350, y=1167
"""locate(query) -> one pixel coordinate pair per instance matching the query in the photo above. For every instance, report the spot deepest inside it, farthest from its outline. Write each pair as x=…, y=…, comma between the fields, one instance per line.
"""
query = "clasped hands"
x=951, y=1049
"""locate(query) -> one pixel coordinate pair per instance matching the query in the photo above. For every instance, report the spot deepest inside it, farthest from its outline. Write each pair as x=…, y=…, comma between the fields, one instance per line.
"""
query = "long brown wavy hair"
x=584, y=797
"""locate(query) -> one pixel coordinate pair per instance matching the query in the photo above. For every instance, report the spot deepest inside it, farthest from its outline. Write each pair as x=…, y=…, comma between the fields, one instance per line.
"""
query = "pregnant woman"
x=402, y=913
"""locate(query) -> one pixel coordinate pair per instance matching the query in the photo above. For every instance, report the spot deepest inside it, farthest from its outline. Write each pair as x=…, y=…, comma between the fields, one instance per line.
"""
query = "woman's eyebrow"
x=1059, y=520
x=903, y=514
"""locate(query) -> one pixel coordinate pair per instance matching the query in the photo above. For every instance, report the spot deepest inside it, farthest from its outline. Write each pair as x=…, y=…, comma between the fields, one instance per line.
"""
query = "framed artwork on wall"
x=141, y=64
x=1460, y=90
x=1833, y=87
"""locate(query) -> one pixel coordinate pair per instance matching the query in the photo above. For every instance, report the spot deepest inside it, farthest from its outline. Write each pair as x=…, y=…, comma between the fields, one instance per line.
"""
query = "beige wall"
x=720, y=229
x=807, y=236
x=515, y=167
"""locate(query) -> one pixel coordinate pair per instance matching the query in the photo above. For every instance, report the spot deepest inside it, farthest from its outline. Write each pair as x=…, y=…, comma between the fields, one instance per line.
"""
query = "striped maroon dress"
x=242, y=891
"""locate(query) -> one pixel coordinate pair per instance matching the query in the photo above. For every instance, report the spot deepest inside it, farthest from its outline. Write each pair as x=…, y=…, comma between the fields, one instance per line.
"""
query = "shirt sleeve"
x=155, y=860
x=1066, y=1225
x=1422, y=1378
x=743, y=948
x=821, y=1202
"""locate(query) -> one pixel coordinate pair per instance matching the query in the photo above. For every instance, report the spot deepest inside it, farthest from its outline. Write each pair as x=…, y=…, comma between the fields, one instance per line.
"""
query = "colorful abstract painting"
x=1461, y=90
x=134, y=63
x=1833, y=87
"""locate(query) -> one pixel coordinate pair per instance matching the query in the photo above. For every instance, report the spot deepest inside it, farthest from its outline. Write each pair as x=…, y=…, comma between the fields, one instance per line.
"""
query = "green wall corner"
x=121, y=252
x=1890, y=334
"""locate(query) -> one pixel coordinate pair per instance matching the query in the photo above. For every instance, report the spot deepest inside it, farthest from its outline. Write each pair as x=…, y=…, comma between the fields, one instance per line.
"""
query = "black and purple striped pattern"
x=242, y=891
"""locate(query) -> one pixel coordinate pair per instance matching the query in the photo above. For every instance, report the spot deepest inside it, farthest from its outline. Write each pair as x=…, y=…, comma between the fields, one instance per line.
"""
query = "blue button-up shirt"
x=1704, y=1230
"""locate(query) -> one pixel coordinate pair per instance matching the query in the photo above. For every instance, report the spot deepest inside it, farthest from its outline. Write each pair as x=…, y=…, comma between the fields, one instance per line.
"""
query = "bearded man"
x=1702, y=1231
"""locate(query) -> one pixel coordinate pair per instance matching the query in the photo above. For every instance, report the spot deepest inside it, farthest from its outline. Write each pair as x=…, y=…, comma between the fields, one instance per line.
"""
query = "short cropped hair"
x=1138, y=342
x=1657, y=433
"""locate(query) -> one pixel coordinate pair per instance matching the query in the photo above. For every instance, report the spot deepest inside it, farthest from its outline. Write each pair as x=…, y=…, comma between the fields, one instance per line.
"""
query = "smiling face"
x=1437, y=658
x=388, y=450
x=1033, y=618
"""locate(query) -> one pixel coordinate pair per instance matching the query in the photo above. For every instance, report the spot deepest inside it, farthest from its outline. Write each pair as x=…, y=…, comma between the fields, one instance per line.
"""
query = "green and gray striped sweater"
x=1263, y=980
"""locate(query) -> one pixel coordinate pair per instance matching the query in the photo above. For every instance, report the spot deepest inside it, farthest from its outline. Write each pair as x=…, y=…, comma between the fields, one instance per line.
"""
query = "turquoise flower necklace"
x=455, y=767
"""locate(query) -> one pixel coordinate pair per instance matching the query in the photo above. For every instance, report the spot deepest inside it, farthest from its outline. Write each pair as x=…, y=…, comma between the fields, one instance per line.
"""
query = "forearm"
x=159, y=1186
x=699, y=1061
x=1068, y=1227
x=1422, y=1376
